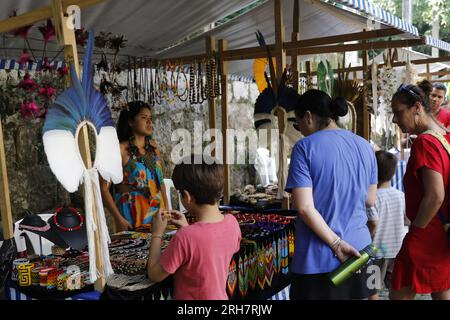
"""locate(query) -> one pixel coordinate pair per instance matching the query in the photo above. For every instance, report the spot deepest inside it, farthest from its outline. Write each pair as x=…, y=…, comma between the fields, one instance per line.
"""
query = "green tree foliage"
x=423, y=13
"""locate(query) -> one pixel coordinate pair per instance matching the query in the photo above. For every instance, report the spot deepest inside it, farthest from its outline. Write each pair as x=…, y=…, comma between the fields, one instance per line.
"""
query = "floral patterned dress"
x=143, y=197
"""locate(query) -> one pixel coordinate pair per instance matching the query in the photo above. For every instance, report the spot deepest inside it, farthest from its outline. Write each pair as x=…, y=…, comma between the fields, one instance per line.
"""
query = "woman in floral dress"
x=141, y=193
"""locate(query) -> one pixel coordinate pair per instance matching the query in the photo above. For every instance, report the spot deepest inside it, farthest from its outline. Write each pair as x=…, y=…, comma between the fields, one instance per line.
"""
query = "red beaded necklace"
x=68, y=229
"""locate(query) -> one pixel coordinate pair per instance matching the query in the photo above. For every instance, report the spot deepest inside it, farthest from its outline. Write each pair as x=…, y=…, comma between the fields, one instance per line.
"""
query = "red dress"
x=423, y=262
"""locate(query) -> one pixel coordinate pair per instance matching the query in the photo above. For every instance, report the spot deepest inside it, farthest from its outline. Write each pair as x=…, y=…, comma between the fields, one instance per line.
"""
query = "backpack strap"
x=441, y=139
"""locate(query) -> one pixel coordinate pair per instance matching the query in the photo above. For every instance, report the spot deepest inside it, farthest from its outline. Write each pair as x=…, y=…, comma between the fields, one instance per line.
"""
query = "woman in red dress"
x=423, y=263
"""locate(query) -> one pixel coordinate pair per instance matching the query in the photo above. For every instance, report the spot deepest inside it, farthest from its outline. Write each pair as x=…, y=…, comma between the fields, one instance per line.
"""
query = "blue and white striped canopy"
x=368, y=8
x=437, y=43
x=382, y=15
x=12, y=64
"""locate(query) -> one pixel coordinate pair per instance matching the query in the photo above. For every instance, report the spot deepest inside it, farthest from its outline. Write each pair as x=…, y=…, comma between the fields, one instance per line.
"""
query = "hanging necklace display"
x=218, y=84
x=203, y=81
x=151, y=93
x=76, y=107
x=201, y=84
x=157, y=85
x=128, y=78
x=192, y=96
x=134, y=79
x=185, y=95
x=147, y=83
x=141, y=81
x=209, y=79
x=170, y=86
x=214, y=78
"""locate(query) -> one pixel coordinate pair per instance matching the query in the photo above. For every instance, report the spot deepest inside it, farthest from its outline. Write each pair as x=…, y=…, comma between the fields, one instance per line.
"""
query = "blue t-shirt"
x=339, y=166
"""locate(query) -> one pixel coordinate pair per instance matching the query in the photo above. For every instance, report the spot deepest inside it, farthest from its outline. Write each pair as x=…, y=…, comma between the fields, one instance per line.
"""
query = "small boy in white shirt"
x=386, y=220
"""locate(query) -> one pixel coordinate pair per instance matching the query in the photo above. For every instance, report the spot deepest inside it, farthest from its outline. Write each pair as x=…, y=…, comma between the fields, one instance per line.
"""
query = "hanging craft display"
x=77, y=106
x=388, y=83
x=325, y=77
x=232, y=278
x=277, y=101
x=409, y=72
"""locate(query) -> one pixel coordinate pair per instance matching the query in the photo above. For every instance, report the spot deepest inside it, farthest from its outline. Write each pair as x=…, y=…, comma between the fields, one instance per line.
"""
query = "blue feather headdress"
x=78, y=105
x=81, y=102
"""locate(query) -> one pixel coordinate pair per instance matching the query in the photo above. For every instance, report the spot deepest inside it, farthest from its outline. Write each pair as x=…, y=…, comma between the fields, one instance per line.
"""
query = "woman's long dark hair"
x=320, y=104
x=124, y=131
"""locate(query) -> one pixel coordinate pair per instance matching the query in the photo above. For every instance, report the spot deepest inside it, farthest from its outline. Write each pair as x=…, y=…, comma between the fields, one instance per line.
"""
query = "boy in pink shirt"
x=199, y=254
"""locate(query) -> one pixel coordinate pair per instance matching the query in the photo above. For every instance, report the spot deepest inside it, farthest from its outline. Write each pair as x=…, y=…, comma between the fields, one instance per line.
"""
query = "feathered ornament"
x=77, y=106
x=268, y=104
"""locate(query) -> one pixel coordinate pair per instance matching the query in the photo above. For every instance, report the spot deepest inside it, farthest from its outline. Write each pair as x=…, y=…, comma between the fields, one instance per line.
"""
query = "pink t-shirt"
x=199, y=256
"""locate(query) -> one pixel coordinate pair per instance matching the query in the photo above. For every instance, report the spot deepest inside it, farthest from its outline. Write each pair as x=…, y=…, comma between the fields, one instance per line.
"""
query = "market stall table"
x=258, y=271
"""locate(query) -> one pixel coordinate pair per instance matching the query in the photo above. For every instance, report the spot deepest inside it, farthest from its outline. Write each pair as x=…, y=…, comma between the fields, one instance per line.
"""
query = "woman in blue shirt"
x=332, y=177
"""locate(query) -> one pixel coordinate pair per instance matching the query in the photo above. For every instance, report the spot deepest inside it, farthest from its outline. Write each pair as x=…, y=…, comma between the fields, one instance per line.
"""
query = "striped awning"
x=437, y=43
x=382, y=15
x=12, y=64
x=368, y=8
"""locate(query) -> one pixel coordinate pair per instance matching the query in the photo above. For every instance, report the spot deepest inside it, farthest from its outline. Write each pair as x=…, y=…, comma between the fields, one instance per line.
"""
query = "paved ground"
x=384, y=295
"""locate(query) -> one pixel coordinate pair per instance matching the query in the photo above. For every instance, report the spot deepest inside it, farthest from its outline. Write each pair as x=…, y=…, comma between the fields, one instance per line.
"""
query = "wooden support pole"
x=40, y=14
x=211, y=49
x=279, y=112
x=428, y=72
x=308, y=75
x=295, y=37
x=224, y=104
x=280, y=53
x=5, y=201
x=66, y=37
x=366, y=114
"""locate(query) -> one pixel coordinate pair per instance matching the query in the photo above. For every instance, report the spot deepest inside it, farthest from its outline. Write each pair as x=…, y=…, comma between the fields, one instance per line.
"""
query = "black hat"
x=35, y=224
x=70, y=225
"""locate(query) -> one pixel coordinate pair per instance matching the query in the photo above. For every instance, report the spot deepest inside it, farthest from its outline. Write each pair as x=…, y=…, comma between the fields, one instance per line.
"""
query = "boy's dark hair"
x=203, y=179
x=387, y=163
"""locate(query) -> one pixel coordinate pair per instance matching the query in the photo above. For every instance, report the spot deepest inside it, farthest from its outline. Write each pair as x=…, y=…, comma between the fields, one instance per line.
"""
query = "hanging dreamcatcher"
x=388, y=83
x=77, y=106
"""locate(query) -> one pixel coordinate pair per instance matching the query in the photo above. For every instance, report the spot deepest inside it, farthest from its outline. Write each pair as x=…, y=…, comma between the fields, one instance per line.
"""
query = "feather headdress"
x=77, y=106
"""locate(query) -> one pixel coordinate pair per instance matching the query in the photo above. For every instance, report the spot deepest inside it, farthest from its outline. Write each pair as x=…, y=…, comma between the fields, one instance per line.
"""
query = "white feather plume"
x=108, y=159
x=63, y=158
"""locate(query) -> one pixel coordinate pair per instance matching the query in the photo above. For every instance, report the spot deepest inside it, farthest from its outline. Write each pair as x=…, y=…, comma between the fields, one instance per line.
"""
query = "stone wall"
x=34, y=188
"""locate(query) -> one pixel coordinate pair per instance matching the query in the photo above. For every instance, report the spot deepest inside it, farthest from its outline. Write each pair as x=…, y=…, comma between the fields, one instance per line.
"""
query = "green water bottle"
x=352, y=265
